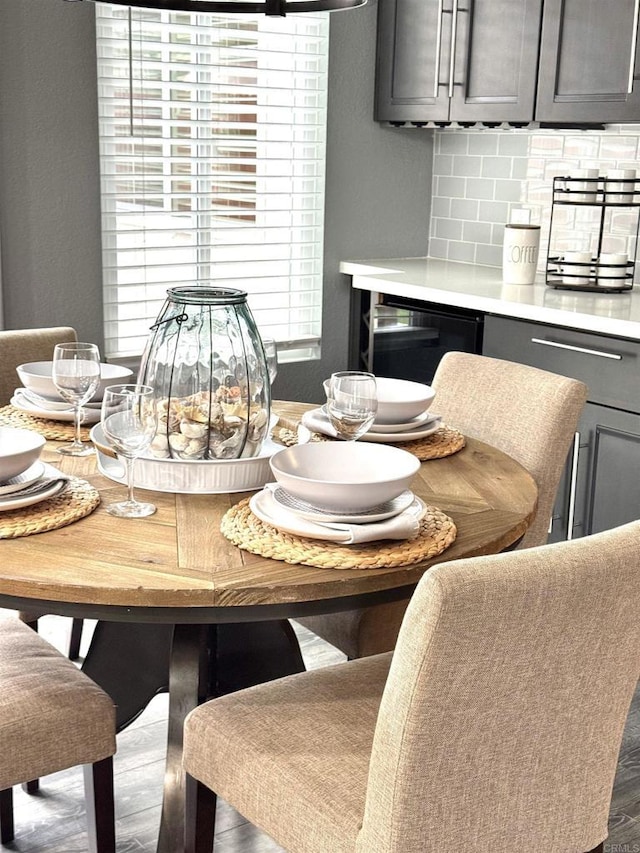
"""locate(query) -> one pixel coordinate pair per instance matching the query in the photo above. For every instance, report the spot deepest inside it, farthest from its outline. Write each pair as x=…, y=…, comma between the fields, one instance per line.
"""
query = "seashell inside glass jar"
x=206, y=362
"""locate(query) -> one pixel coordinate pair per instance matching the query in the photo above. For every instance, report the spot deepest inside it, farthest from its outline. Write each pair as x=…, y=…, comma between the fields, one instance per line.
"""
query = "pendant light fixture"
x=268, y=7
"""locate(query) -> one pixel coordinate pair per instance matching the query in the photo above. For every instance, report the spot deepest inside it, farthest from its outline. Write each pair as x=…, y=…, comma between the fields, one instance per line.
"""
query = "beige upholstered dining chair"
x=495, y=724
x=526, y=412
x=52, y=717
x=19, y=346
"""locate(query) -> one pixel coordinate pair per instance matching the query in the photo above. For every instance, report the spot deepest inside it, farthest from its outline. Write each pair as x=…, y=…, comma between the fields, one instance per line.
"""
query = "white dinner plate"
x=317, y=421
x=288, y=502
x=21, y=481
x=49, y=404
x=7, y=503
x=91, y=416
x=266, y=509
x=415, y=423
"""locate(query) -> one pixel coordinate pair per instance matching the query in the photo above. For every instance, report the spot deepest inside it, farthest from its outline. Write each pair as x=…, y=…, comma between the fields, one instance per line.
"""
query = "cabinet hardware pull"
x=436, y=76
x=454, y=38
x=634, y=45
x=572, y=485
x=586, y=350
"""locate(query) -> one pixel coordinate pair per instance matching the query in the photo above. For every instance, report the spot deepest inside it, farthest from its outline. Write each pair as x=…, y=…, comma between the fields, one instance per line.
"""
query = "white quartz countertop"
x=481, y=288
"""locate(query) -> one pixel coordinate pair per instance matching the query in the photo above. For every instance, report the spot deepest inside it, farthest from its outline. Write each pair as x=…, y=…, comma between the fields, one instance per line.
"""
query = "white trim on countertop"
x=481, y=288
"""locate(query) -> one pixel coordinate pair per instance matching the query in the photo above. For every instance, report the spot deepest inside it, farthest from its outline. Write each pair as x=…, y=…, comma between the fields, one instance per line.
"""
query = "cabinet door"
x=493, y=78
x=589, y=68
x=413, y=57
x=607, y=483
x=496, y=60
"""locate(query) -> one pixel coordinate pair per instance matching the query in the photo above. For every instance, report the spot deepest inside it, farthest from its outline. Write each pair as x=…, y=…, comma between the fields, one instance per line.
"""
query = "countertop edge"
x=481, y=288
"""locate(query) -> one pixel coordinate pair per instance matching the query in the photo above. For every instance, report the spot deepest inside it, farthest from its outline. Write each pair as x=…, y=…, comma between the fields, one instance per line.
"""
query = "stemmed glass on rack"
x=352, y=403
x=129, y=423
x=76, y=374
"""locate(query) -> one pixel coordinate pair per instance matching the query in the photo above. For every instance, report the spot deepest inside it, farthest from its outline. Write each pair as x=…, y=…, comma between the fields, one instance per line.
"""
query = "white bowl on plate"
x=19, y=449
x=344, y=476
x=36, y=376
x=400, y=400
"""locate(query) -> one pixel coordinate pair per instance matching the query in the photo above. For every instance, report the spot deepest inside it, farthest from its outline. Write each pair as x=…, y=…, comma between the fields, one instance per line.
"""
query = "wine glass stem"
x=78, y=423
x=129, y=462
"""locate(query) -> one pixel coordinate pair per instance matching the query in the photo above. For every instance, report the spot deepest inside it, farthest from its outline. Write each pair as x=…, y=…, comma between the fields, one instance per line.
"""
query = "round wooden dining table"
x=183, y=609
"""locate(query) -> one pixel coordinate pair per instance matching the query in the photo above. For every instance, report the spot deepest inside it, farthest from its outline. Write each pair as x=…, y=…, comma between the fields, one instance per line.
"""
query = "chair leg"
x=200, y=817
x=6, y=815
x=74, y=639
x=31, y=787
x=98, y=786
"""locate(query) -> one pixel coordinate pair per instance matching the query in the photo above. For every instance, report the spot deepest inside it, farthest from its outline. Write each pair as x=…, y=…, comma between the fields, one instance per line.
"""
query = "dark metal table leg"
x=187, y=689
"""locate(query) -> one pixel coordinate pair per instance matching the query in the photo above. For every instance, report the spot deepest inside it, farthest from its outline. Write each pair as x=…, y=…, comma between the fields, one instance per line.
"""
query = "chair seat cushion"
x=52, y=716
x=319, y=725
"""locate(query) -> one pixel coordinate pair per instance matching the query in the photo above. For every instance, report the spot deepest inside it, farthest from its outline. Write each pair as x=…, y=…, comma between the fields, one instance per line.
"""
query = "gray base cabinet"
x=601, y=485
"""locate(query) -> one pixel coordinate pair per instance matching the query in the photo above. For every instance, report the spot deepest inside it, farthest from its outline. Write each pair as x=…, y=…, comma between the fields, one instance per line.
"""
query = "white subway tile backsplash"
x=480, y=175
x=465, y=209
x=464, y=252
x=468, y=166
x=496, y=167
x=480, y=188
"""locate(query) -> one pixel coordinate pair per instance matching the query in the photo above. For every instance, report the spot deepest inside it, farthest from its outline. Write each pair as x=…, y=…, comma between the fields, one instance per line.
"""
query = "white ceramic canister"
x=520, y=253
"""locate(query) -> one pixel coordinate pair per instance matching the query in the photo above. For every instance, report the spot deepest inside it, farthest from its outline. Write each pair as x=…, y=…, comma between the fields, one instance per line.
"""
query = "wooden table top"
x=177, y=566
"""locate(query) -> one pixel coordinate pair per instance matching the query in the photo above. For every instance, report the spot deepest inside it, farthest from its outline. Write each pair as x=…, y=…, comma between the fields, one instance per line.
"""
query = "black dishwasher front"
x=407, y=338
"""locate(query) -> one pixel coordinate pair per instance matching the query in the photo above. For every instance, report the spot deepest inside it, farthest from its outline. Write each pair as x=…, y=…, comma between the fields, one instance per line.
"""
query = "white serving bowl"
x=344, y=476
x=400, y=400
x=19, y=449
x=36, y=376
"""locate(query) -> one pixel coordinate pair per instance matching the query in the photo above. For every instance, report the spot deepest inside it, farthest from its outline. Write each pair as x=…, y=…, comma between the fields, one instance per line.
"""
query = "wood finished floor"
x=53, y=821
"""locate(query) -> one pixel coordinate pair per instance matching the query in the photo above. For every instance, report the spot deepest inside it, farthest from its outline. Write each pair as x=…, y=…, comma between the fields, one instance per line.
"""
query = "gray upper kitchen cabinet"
x=457, y=60
x=589, y=62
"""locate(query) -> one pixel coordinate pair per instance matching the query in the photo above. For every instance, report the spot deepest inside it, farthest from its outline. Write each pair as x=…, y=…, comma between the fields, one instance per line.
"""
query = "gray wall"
x=378, y=178
x=49, y=181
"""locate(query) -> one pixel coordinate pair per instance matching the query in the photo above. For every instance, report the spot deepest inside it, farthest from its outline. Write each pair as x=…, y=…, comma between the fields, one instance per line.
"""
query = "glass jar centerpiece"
x=205, y=360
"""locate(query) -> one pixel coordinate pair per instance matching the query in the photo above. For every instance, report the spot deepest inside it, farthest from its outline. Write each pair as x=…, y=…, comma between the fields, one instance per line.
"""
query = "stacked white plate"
x=398, y=518
x=317, y=420
x=55, y=410
x=39, y=482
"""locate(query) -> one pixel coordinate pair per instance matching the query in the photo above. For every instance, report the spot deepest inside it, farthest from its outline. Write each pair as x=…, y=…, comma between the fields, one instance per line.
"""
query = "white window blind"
x=212, y=148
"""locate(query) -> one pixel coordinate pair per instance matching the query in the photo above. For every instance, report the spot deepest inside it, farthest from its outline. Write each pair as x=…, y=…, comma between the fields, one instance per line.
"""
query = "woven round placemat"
x=51, y=430
x=247, y=531
x=443, y=442
x=78, y=499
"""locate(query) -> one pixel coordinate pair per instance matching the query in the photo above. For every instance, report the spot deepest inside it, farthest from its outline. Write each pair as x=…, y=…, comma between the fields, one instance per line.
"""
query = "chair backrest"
x=529, y=413
x=502, y=716
x=18, y=346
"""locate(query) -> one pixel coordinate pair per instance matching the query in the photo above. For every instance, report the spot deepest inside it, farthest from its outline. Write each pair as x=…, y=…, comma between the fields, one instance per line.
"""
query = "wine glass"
x=271, y=354
x=352, y=403
x=76, y=374
x=129, y=423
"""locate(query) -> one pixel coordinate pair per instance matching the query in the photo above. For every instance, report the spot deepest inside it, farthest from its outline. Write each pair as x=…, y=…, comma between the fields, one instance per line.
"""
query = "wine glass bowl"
x=352, y=403
x=76, y=375
x=129, y=423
